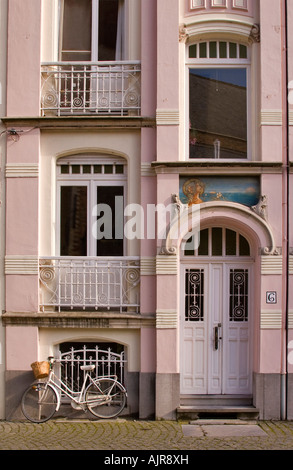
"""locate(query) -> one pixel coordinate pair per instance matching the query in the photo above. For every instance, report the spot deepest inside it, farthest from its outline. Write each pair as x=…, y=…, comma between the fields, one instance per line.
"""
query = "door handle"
x=216, y=336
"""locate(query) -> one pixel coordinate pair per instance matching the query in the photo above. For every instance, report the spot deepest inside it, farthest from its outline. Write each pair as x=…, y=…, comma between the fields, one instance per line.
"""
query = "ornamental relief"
x=233, y=5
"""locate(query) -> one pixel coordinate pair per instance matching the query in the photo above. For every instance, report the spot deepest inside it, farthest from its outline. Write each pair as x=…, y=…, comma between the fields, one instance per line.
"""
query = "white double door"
x=216, y=320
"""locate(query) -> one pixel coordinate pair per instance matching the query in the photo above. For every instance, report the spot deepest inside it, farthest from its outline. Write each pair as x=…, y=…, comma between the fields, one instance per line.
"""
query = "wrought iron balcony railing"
x=89, y=88
x=82, y=283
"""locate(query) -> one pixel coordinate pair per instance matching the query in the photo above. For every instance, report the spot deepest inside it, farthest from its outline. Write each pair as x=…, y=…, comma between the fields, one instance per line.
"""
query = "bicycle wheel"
x=105, y=398
x=39, y=402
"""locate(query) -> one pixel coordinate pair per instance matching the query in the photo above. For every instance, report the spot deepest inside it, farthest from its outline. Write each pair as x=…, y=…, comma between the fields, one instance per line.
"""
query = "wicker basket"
x=40, y=369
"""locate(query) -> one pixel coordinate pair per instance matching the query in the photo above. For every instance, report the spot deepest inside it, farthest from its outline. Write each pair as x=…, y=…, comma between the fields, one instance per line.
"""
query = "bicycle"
x=104, y=397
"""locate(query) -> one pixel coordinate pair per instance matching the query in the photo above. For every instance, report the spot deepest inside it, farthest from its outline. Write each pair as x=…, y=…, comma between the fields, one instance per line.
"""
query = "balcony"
x=89, y=283
x=90, y=88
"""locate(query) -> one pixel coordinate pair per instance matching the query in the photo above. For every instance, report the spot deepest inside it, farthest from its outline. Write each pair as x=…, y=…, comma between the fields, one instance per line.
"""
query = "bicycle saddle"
x=89, y=367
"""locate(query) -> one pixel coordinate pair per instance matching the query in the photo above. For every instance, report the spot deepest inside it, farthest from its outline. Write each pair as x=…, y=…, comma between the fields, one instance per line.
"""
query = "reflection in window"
x=73, y=224
x=218, y=113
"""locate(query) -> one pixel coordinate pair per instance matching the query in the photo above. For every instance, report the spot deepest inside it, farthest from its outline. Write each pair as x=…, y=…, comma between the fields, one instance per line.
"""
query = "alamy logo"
x=159, y=222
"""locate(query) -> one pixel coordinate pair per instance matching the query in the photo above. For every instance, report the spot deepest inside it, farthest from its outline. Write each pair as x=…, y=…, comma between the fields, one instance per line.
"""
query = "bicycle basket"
x=40, y=369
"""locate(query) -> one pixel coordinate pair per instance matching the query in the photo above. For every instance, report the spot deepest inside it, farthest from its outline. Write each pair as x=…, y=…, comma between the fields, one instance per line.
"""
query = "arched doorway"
x=216, y=314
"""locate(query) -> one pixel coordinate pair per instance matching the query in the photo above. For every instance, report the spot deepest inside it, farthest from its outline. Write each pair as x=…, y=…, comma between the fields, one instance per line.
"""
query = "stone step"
x=217, y=411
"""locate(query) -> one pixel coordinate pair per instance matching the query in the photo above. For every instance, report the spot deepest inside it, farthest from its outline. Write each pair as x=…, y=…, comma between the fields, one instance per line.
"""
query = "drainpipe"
x=285, y=185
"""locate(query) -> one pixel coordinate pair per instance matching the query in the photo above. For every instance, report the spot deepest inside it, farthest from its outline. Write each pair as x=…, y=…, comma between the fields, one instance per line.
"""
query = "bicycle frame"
x=77, y=397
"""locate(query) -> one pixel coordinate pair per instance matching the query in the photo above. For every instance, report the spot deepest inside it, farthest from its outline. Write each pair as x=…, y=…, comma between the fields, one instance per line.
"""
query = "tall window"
x=91, y=196
x=218, y=74
x=91, y=30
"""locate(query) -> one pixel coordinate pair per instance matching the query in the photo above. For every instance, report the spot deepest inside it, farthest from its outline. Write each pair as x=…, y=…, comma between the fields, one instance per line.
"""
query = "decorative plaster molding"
x=271, y=264
x=271, y=320
x=147, y=170
x=147, y=266
x=168, y=117
x=21, y=264
x=254, y=36
x=271, y=117
x=166, y=264
x=261, y=208
x=195, y=4
x=240, y=4
x=22, y=170
x=166, y=319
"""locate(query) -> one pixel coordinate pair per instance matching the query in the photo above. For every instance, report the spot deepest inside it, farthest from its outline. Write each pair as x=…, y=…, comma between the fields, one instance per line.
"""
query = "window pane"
x=203, y=249
x=73, y=224
x=97, y=168
x=244, y=249
x=77, y=27
x=108, y=17
x=230, y=243
x=64, y=169
x=213, y=50
x=189, y=247
x=110, y=242
x=233, y=50
x=75, y=169
x=242, y=52
x=203, y=50
x=119, y=169
x=108, y=169
x=192, y=51
x=218, y=113
x=217, y=245
x=223, y=50
x=86, y=169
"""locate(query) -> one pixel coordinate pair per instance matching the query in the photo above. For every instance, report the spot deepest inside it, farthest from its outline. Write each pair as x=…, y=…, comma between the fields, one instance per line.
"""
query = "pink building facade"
x=148, y=205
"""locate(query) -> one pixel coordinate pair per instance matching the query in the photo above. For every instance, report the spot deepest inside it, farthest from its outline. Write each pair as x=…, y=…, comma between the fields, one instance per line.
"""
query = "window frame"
x=221, y=63
x=94, y=51
x=92, y=181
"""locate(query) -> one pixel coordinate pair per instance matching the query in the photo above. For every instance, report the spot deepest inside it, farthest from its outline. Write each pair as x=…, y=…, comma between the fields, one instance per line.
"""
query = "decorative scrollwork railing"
x=85, y=88
x=89, y=283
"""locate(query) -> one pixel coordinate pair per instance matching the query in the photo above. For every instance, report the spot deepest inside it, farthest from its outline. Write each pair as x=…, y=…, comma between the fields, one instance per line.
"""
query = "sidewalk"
x=132, y=435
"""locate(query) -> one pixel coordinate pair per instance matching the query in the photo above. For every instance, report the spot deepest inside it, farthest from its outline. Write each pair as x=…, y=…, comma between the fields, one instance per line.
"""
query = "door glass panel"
x=112, y=226
x=238, y=295
x=73, y=236
x=218, y=113
x=194, y=295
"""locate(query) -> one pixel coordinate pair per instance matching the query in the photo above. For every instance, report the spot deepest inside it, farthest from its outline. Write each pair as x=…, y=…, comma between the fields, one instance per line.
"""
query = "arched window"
x=218, y=107
x=218, y=241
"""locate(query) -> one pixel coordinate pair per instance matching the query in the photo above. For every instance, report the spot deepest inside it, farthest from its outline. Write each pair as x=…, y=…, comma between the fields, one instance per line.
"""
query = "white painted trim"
x=22, y=264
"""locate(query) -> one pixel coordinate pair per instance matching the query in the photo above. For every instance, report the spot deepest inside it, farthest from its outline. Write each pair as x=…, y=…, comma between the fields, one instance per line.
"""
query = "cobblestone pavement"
x=132, y=435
